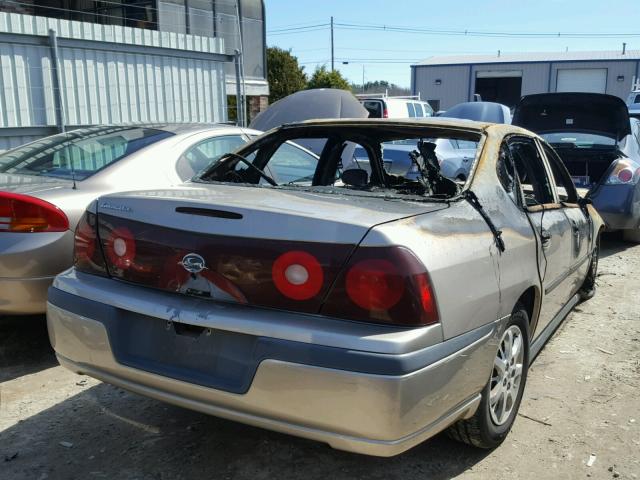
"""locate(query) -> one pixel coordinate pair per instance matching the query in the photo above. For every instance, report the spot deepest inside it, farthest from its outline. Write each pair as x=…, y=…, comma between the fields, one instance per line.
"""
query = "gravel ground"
x=582, y=399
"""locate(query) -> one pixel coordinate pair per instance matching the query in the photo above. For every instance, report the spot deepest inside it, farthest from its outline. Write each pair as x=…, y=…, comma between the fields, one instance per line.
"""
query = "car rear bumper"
x=618, y=205
x=28, y=264
x=362, y=401
x=24, y=296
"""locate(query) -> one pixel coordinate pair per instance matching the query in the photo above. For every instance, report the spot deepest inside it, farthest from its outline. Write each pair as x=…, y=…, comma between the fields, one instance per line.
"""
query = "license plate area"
x=204, y=356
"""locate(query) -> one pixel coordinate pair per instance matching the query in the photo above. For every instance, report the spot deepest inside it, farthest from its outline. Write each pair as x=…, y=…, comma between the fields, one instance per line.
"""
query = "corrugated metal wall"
x=26, y=98
x=114, y=87
x=453, y=87
x=102, y=85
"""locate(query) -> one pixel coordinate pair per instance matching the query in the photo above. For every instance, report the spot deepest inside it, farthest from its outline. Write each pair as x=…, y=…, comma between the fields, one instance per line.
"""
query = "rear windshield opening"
x=368, y=159
x=80, y=153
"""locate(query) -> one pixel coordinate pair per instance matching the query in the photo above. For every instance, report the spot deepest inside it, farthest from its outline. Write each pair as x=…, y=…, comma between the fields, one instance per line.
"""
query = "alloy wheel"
x=507, y=375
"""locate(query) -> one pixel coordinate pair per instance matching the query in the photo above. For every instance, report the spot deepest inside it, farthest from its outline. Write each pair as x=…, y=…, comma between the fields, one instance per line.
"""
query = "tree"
x=380, y=86
x=284, y=74
x=323, y=78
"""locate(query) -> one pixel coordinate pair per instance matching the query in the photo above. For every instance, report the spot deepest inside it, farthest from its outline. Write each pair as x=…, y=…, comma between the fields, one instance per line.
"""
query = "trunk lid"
x=235, y=243
x=573, y=112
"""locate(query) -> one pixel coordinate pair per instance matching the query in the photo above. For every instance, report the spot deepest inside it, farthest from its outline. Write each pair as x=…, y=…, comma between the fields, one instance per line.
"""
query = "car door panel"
x=567, y=195
x=555, y=251
x=552, y=227
x=581, y=243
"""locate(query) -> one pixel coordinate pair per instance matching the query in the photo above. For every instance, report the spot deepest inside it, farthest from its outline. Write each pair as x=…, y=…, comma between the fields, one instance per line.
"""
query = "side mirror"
x=355, y=177
x=584, y=201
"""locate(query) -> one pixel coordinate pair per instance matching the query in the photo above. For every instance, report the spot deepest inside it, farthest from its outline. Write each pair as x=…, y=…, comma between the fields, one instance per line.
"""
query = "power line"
x=318, y=29
x=476, y=33
x=301, y=24
x=297, y=29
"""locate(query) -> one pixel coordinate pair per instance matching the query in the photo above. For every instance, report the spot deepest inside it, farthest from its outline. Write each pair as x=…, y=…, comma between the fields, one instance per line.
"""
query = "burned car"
x=592, y=134
x=329, y=306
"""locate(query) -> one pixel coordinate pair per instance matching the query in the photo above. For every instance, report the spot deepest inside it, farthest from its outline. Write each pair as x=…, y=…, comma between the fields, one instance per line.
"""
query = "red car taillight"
x=87, y=253
x=25, y=214
x=297, y=275
x=121, y=248
x=625, y=171
x=383, y=285
x=385, y=113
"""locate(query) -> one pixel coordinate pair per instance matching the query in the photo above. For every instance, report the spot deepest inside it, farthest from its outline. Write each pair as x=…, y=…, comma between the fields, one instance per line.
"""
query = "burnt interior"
x=336, y=140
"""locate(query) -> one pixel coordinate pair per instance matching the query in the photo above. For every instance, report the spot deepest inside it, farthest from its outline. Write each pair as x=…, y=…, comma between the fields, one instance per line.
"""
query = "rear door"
x=580, y=223
x=553, y=229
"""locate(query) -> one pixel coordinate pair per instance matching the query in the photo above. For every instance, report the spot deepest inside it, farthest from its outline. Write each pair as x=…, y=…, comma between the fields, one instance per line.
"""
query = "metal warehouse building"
x=446, y=81
x=65, y=64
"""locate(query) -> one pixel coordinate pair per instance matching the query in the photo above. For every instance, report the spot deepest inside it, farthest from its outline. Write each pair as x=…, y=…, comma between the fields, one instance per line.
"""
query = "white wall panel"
x=101, y=86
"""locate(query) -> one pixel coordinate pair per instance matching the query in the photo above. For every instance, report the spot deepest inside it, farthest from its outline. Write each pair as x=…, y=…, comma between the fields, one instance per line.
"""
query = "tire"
x=588, y=288
x=489, y=427
x=632, y=236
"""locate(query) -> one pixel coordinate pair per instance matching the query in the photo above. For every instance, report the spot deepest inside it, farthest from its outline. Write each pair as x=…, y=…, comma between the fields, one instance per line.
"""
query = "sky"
x=302, y=27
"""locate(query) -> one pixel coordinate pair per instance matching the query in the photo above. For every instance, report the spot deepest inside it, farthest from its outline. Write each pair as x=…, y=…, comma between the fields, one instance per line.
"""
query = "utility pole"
x=332, y=58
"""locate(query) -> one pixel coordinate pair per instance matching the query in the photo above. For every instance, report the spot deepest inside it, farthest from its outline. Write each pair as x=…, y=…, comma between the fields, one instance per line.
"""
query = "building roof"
x=531, y=57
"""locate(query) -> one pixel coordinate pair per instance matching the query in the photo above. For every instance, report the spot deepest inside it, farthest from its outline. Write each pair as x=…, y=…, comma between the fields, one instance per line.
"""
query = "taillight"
x=87, y=254
x=26, y=214
x=383, y=285
x=286, y=275
x=120, y=248
x=297, y=275
x=385, y=113
x=624, y=172
x=374, y=285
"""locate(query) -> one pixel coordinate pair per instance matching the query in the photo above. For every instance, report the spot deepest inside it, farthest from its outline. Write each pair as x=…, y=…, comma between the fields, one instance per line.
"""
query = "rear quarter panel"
x=473, y=281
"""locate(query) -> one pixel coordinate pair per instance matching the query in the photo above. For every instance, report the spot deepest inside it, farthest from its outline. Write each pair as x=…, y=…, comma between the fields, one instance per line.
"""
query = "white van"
x=383, y=106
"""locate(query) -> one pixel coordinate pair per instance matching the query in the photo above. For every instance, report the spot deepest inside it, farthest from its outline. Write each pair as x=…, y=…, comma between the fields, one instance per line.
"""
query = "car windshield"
x=366, y=158
x=80, y=153
x=578, y=140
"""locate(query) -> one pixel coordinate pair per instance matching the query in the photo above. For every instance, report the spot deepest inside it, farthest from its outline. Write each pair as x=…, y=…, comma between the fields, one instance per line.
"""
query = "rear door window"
x=532, y=173
x=419, y=111
x=292, y=164
x=565, y=188
x=203, y=154
x=428, y=111
x=411, y=111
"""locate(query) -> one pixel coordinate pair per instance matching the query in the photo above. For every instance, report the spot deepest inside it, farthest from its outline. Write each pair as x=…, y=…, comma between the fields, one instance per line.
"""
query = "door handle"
x=545, y=238
x=575, y=229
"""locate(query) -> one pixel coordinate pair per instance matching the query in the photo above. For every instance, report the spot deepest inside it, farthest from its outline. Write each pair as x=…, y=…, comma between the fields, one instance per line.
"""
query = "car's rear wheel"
x=501, y=396
x=632, y=235
x=588, y=289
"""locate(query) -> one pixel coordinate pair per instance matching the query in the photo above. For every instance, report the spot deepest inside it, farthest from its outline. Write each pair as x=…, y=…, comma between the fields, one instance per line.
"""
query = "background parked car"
x=633, y=103
x=479, y=111
x=46, y=185
x=592, y=134
x=455, y=156
x=383, y=106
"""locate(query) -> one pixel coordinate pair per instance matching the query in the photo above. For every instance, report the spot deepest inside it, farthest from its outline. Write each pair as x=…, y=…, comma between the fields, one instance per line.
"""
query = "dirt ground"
x=582, y=399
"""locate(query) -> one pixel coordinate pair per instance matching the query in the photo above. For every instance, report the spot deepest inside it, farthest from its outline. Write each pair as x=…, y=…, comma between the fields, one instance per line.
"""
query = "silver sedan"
x=353, y=306
x=46, y=185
